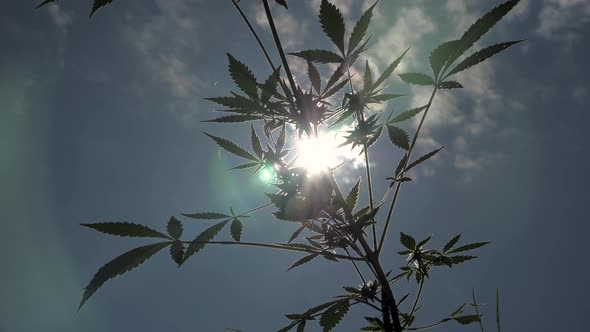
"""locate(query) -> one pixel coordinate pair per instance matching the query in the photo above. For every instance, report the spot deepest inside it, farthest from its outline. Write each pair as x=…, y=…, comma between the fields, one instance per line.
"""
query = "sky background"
x=100, y=121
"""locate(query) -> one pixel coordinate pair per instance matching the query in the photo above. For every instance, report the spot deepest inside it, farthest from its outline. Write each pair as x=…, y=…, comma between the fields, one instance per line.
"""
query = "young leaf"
x=353, y=195
x=235, y=118
x=231, y=147
x=124, y=263
x=440, y=55
x=423, y=158
x=417, y=78
x=423, y=242
x=403, y=116
x=469, y=247
x=451, y=243
x=398, y=137
x=177, y=252
x=367, y=78
x=314, y=77
x=125, y=229
x=206, y=215
x=243, y=77
x=200, y=241
x=174, y=228
x=236, y=229
x=407, y=241
x=481, y=56
x=269, y=88
x=360, y=29
x=479, y=28
x=320, y=56
x=302, y=261
x=332, y=23
x=333, y=315
x=256, y=143
x=389, y=70
x=467, y=319
x=450, y=85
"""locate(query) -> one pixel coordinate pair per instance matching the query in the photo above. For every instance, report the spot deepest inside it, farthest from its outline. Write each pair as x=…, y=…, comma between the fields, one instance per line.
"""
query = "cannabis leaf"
x=389, y=70
x=206, y=215
x=353, y=195
x=231, y=147
x=302, y=261
x=236, y=229
x=407, y=241
x=332, y=23
x=398, y=137
x=481, y=56
x=125, y=229
x=407, y=114
x=360, y=29
x=174, y=228
x=243, y=77
x=320, y=56
x=200, y=241
x=423, y=158
x=314, y=77
x=177, y=252
x=333, y=315
x=417, y=78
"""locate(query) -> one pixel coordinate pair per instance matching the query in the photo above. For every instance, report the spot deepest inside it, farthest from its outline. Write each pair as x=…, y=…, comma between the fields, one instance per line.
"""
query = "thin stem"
x=254, y=210
x=398, y=186
x=277, y=40
x=278, y=246
x=356, y=268
x=476, y=309
x=406, y=323
x=427, y=326
x=498, y=309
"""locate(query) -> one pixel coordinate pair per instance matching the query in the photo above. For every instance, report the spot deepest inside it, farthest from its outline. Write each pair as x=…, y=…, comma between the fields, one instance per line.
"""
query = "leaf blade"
x=126, y=229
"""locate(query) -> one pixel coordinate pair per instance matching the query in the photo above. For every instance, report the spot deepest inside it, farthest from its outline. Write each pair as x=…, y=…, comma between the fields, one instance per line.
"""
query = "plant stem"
x=279, y=46
x=279, y=246
x=415, y=302
x=398, y=186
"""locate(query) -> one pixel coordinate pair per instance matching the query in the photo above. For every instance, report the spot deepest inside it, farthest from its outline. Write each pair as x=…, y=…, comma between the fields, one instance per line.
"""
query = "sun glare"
x=318, y=154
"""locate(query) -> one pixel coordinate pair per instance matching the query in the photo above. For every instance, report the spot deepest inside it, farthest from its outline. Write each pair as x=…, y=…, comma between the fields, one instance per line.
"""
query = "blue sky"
x=100, y=121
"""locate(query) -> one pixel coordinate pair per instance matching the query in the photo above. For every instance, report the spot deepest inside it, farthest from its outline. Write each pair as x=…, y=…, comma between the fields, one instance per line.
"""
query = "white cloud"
x=563, y=20
x=291, y=30
x=345, y=6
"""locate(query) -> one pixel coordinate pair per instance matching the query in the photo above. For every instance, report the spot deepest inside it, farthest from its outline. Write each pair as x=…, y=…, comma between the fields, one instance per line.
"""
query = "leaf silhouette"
x=367, y=78
x=407, y=241
x=125, y=229
x=481, y=56
x=314, y=77
x=298, y=231
x=282, y=3
x=236, y=102
x=174, y=228
x=46, y=2
x=440, y=55
x=450, y=85
x=479, y=28
x=320, y=56
x=332, y=23
x=470, y=246
x=460, y=259
x=98, y=4
x=335, y=89
x=407, y=114
x=269, y=88
x=236, y=229
x=353, y=195
x=245, y=166
x=383, y=97
x=400, y=166
x=282, y=139
x=451, y=243
x=334, y=78
x=398, y=137
x=124, y=263
x=235, y=118
x=389, y=70
x=467, y=319
x=256, y=143
x=206, y=215
x=231, y=147
x=333, y=315
x=423, y=158
x=302, y=261
x=360, y=29
x=243, y=77
x=200, y=241
x=417, y=78
x=177, y=252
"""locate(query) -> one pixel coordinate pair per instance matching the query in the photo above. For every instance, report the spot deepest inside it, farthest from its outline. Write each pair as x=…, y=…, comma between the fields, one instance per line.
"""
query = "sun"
x=322, y=153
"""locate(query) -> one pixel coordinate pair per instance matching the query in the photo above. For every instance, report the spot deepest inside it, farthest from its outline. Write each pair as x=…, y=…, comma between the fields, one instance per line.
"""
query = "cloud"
x=292, y=30
x=345, y=6
x=61, y=18
x=563, y=20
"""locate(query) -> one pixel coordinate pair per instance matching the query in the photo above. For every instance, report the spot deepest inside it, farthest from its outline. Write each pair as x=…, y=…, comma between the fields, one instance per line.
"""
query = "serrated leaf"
x=282, y=138
x=98, y=4
x=423, y=158
x=120, y=265
x=206, y=215
x=174, y=228
x=440, y=55
x=314, y=77
x=470, y=246
x=367, y=77
x=335, y=89
x=451, y=243
x=125, y=229
x=269, y=88
x=400, y=166
x=423, y=242
x=467, y=319
x=333, y=315
x=236, y=229
x=481, y=56
x=360, y=29
x=282, y=3
x=383, y=97
x=479, y=28
x=288, y=327
x=302, y=261
x=235, y=118
x=255, y=141
x=407, y=241
x=417, y=78
x=336, y=75
x=298, y=231
x=46, y=2
x=177, y=252
x=243, y=77
x=450, y=85
x=406, y=115
x=343, y=116
x=398, y=137
x=389, y=70
x=320, y=56
x=458, y=310
x=245, y=166
x=200, y=241
x=332, y=23
x=236, y=101
x=461, y=258
x=353, y=195
x=231, y=147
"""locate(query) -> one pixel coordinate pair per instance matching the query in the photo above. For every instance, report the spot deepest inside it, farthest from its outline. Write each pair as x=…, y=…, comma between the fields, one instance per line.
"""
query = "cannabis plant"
x=331, y=223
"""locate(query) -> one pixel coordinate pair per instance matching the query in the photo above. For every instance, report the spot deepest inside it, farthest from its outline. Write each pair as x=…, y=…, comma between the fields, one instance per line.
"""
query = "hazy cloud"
x=563, y=20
